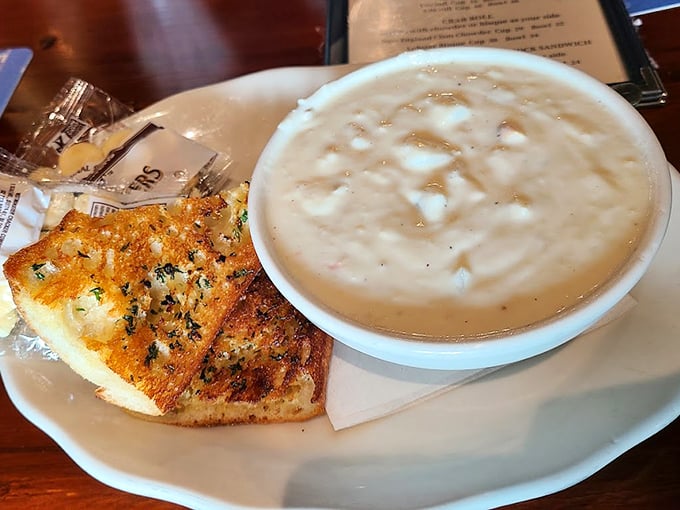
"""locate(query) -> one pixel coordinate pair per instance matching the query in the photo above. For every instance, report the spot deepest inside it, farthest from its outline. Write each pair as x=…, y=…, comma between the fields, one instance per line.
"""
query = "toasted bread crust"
x=267, y=364
x=132, y=301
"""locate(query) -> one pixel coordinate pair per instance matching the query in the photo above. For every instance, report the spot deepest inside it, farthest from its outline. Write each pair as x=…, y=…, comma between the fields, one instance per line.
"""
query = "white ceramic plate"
x=527, y=430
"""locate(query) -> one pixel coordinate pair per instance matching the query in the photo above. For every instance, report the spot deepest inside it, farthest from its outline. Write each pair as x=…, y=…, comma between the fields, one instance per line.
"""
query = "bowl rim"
x=477, y=351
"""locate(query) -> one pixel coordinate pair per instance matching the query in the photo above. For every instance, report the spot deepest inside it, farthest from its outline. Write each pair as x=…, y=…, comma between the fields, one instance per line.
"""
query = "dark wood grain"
x=143, y=51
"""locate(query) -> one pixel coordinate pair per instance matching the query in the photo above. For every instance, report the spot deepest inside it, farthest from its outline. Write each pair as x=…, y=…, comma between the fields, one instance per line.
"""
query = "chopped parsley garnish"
x=239, y=385
x=203, y=283
x=152, y=354
x=125, y=289
x=97, y=291
x=130, y=324
x=168, y=300
x=207, y=374
x=192, y=326
x=239, y=273
x=36, y=271
x=167, y=270
x=236, y=367
x=190, y=323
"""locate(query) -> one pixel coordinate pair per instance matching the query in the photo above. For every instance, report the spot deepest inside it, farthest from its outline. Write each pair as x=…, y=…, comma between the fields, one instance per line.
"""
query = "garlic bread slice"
x=268, y=364
x=132, y=301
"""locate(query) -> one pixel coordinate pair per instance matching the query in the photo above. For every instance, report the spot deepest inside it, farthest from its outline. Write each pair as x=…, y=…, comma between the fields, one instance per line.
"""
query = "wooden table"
x=142, y=51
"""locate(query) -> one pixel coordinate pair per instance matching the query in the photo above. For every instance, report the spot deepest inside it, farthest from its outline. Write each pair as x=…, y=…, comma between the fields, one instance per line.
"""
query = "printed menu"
x=596, y=36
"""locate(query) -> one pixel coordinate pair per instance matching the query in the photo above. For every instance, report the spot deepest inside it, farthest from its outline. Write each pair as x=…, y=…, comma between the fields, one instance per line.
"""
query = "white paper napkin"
x=362, y=388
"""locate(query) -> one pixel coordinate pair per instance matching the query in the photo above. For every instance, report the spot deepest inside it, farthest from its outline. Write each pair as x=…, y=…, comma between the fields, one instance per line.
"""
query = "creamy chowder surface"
x=456, y=200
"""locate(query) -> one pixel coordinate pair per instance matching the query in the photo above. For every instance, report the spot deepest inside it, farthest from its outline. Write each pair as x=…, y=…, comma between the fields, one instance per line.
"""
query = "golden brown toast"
x=132, y=301
x=268, y=364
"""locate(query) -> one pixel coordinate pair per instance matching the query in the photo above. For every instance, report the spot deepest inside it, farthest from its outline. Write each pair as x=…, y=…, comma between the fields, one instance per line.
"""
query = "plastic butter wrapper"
x=86, y=136
x=151, y=159
x=77, y=112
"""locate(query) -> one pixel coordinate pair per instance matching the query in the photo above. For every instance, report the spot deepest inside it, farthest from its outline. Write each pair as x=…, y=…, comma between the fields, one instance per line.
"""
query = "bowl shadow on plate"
x=543, y=454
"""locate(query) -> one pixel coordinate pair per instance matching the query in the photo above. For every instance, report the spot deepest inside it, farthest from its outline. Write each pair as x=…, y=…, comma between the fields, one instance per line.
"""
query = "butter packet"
x=73, y=116
x=87, y=136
